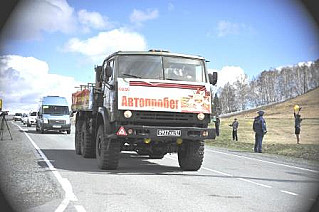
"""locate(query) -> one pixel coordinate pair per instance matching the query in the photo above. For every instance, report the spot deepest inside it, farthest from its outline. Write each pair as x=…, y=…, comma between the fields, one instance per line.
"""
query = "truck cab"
x=153, y=103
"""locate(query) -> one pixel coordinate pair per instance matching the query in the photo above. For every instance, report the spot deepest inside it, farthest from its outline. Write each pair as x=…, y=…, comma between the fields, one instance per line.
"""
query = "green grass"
x=280, y=139
x=304, y=151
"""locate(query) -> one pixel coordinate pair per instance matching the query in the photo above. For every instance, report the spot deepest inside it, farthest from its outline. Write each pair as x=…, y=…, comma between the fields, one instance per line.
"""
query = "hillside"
x=280, y=125
x=309, y=103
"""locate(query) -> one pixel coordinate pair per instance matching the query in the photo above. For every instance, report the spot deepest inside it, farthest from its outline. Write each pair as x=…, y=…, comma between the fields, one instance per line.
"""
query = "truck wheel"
x=41, y=130
x=190, y=155
x=77, y=137
x=87, y=145
x=68, y=131
x=107, y=151
x=156, y=155
x=142, y=152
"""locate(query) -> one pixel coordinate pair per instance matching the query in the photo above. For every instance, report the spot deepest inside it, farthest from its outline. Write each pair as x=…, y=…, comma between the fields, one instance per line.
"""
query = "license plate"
x=169, y=133
x=56, y=126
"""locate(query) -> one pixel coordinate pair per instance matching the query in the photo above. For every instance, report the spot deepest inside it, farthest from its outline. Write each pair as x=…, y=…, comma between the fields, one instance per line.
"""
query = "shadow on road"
x=133, y=164
x=33, y=131
x=130, y=163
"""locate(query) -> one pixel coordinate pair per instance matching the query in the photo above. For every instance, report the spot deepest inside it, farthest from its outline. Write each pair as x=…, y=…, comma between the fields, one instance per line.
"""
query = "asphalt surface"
x=41, y=172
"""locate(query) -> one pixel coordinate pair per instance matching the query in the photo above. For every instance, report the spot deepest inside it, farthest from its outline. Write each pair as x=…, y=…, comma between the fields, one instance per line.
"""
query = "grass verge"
x=304, y=151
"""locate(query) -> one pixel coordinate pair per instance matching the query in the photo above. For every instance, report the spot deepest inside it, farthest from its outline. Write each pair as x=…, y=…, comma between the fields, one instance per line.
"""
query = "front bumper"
x=142, y=132
x=56, y=126
x=32, y=122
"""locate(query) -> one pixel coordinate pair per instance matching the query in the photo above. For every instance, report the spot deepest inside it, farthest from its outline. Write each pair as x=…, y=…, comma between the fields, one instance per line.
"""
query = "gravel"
x=23, y=182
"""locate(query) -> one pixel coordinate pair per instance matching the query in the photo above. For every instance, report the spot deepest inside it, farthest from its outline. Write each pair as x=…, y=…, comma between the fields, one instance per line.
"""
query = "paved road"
x=227, y=181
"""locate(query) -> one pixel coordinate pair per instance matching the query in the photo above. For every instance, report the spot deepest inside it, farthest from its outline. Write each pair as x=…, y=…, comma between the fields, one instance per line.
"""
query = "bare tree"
x=242, y=92
x=228, y=99
x=269, y=86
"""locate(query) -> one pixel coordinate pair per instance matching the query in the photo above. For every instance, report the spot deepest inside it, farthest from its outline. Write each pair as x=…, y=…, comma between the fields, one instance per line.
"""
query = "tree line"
x=270, y=86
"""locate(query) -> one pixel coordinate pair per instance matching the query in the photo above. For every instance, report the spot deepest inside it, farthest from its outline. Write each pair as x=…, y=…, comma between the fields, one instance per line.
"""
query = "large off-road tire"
x=190, y=155
x=87, y=143
x=107, y=150
x=41, y=130
x=77, y=139
x=142, y=152
x=156, y=155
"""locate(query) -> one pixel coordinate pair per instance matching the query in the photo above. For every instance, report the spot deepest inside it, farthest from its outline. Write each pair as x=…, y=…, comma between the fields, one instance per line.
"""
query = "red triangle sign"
x=121, y=131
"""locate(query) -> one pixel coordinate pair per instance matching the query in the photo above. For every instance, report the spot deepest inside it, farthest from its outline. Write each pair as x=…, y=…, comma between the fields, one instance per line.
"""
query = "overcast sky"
x=50, y=46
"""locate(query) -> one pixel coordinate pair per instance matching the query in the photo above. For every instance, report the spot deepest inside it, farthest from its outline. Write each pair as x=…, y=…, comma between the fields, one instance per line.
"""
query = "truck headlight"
x=67, y=121
x=201, y=116
x=45, y=121
x=128, y=114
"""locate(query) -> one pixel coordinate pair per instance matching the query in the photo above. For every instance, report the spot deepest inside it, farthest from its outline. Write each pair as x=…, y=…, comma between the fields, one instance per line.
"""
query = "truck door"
x=109, y=92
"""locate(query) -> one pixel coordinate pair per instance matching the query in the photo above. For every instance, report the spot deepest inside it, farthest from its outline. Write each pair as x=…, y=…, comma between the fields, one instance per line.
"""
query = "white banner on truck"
x=152, y=95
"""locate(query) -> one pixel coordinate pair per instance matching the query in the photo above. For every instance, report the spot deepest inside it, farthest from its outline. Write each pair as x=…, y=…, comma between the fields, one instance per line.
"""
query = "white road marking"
x=229, y=175
x=64, y=182
x=79, y=208
x=218, y=172
x=63, y=205
x=239, y=178
x=249, y=181
x=264, y=161
x=288, y=192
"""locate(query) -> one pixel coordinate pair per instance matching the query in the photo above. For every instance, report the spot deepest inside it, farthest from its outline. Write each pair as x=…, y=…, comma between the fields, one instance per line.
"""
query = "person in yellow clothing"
x=298, y=120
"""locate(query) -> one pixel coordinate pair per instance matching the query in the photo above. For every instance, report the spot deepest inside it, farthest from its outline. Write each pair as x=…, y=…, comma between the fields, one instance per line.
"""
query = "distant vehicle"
x=31, y=118
x=17, y=117
x=24, y=118
x=53, y=114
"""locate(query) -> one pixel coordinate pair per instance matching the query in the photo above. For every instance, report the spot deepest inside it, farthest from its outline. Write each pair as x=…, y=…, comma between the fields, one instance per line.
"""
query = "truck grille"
x=167, y=118
x=54, y=121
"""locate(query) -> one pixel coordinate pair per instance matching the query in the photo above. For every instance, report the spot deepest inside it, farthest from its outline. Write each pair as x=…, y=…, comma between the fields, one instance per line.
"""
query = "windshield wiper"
x=131, y=75
x=173, y=79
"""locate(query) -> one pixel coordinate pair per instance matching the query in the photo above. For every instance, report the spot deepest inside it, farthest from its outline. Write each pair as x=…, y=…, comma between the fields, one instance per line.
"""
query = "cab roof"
x=54, y=100
x=155, y=52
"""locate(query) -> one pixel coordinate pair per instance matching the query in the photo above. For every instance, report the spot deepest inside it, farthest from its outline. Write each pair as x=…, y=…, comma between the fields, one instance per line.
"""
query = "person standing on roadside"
x=259, y=127
x=235, y=128
x=298, y=120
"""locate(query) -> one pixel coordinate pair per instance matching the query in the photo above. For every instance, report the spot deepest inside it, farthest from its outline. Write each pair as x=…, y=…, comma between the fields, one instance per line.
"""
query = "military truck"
x=151, y=102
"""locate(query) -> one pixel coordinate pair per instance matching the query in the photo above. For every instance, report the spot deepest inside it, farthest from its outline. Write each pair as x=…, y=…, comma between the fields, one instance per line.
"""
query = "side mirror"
x=212, y=78
x=107, y=72
x=98, y=71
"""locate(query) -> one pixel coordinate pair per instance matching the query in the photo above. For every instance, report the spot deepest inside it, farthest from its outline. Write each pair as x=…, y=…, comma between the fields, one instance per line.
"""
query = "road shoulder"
x=24, y=183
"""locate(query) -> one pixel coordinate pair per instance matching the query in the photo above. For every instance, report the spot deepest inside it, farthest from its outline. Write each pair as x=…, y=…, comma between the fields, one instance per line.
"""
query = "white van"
x=31, y=118
x=53, y=114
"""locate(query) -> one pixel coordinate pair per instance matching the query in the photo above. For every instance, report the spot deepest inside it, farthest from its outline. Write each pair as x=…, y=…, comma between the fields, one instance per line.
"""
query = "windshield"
x=158, y=67
x=56, y=110
x=184, y=69
x=33, y=114
x=146, y=67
